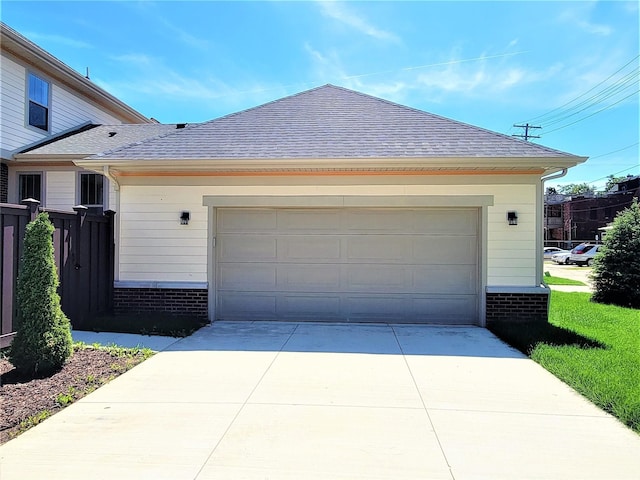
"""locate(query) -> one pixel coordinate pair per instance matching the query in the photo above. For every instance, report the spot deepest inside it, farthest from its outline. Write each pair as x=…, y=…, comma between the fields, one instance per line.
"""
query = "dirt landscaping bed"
x=28, y=401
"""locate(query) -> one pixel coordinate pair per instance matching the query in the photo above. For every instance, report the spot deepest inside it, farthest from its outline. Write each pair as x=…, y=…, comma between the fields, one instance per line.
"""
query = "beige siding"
x=60, y=190
x=69, y=110
x=150, y=217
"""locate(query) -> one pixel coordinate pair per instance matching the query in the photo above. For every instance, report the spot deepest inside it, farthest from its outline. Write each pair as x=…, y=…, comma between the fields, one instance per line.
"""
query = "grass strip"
x=592, y=347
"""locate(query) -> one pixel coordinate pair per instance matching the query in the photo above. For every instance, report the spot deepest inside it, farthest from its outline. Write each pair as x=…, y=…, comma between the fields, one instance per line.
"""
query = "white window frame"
x=28, y=100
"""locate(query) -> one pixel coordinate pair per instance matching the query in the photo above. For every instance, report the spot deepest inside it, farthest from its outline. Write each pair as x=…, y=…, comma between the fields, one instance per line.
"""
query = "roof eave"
x=545, y=165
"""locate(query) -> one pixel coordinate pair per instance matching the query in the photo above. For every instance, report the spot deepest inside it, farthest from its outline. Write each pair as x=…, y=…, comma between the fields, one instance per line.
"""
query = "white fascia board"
x=547, y=165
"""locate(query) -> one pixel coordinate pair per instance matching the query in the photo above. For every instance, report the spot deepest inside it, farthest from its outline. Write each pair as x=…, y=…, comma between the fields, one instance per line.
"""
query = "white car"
x=549, y=252
x=562, y=258
x=583, y=254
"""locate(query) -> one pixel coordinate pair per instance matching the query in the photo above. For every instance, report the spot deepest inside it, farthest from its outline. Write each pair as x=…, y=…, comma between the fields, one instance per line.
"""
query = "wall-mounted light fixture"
x=185, y=217
x=512, y=218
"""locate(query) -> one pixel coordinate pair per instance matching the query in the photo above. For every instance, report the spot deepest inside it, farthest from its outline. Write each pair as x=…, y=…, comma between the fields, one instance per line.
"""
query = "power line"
x=615, y=151
x=591, y=89
x=594, y=113
x=601, y=94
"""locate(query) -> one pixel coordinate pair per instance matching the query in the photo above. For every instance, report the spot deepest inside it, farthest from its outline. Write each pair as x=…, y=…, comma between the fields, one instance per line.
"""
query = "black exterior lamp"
x=185, y=216
x=512, y=218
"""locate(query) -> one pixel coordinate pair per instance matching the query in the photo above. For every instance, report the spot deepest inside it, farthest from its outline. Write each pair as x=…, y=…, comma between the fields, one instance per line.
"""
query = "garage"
x=417, y=265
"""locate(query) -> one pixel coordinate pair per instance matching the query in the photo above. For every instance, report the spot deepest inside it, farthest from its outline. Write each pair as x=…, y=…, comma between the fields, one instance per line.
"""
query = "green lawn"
x=551, y=280
x=592, y=347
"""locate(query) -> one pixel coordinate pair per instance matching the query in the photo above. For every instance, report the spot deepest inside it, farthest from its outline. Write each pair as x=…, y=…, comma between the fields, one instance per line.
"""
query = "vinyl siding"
x=60, y=190
x=154, y=246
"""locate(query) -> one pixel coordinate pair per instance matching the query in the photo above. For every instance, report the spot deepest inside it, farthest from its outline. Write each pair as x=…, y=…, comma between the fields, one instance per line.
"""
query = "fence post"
x=32, y=205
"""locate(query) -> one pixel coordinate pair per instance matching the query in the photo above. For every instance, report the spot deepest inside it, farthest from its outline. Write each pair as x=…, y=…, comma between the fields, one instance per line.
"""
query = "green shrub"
x=43, y=334
x=616, y=270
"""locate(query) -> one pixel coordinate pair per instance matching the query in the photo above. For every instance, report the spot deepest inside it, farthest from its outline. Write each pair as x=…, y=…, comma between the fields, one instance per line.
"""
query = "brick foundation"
x=517, y=306
x=175, y=301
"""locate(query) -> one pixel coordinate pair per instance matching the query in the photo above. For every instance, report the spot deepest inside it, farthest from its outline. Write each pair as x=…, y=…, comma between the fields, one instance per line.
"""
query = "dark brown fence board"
x=84, y=253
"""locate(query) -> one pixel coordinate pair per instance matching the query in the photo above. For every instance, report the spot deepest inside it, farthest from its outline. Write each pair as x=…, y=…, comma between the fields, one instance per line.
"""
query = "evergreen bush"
x=43, y=341
x=616, y=270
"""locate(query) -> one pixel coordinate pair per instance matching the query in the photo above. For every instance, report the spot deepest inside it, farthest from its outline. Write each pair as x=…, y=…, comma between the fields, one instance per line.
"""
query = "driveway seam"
x=244, y=404
x=424, y=405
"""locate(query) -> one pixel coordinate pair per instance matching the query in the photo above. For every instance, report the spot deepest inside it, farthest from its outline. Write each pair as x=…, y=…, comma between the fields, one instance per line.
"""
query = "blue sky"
x=570, y=67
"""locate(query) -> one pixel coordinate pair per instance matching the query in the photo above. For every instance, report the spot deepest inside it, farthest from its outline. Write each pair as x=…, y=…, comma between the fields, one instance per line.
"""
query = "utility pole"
x=526, y=135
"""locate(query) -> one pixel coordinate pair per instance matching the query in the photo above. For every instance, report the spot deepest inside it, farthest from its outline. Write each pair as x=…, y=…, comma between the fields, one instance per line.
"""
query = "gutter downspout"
x=106, y=171
x=539, y=247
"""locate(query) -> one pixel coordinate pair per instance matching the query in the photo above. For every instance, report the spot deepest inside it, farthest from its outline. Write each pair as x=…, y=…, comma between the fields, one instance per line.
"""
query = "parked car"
x=583, y=254
x=562, y=258
x=551, y=251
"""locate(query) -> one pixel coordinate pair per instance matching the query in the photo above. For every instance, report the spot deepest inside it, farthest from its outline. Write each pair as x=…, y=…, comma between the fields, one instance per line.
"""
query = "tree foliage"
x=43, y=335
x=612, y=182
x=576, y=189
x=616, y=271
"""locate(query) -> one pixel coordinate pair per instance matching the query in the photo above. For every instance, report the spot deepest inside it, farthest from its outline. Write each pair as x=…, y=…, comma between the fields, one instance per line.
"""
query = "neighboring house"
x=332, y=205
x=570, y=220
x=43, y=99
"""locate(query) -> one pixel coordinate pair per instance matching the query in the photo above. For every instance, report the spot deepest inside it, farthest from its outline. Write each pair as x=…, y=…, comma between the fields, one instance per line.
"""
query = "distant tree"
x=616, y=271
x=551, y=191
x=576, y=189
x=612, y=181
x=42, y=342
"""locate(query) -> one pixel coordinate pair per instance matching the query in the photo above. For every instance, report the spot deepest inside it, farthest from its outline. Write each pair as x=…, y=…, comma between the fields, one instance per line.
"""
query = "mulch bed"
x=86, y=370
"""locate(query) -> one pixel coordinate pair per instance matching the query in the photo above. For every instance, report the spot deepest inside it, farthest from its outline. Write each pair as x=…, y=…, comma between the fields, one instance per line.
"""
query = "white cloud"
x=344, y=14
x=67, y=41
x=579, y=13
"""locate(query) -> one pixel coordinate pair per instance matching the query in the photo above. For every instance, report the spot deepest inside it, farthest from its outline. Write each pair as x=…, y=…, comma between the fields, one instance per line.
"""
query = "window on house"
x=30, y=186
x=38, y=102
x=92, y=190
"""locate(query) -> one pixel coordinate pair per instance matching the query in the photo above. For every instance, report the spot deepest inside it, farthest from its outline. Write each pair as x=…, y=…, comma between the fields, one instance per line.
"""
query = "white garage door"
x=359, y=264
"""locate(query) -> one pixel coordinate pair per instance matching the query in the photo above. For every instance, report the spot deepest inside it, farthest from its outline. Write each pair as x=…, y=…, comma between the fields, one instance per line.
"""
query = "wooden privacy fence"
x=84, y=251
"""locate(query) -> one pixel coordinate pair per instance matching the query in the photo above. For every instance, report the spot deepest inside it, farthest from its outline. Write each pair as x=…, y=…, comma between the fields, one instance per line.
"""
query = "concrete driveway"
x=329, y=401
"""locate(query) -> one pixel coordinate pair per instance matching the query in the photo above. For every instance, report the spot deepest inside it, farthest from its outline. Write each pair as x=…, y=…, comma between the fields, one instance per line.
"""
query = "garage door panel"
x=378, y=278
x=248, y=248
x=455, y=309
x=248, y=277
x=445, y=279
x=324, y=307
x=377, y=248
x=246, y=220
x=309, y=277
x=444, y=249
x=240, y=306
x=377, y=220
x=379, y=307
x=445, y=221
x=309, y=247
x=299, y=220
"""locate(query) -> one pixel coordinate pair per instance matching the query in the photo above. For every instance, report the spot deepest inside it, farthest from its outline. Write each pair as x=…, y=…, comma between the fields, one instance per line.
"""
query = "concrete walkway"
x=329, y=401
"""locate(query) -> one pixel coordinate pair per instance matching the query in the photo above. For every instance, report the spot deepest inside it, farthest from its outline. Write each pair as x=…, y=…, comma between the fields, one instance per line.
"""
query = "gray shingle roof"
x=100, y=138
x=331, y=122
